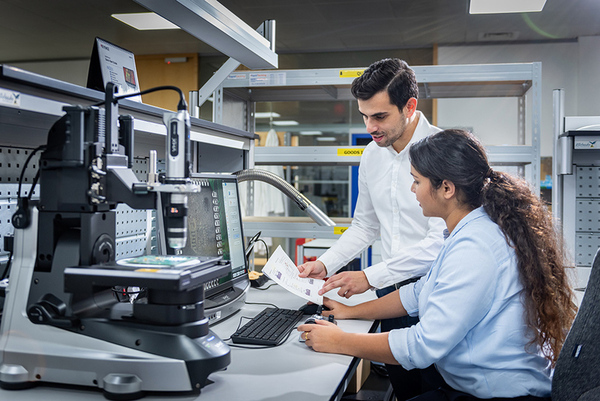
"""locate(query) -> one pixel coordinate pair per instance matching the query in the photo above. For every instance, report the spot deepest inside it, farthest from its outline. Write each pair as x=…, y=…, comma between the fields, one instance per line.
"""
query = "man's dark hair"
x=391, y=74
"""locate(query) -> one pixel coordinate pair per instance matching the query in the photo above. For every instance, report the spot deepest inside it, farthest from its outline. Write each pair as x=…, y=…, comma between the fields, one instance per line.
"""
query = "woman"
x=495, y=307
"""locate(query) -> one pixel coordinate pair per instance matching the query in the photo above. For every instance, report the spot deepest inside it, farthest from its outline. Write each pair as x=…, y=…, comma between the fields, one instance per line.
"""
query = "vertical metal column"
x=521, y=113
x=558, y=117
x=536, y=113
x=218, y=105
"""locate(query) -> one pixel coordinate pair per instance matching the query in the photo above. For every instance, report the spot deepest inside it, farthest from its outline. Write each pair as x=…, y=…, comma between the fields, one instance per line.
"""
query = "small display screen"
x=215, y=222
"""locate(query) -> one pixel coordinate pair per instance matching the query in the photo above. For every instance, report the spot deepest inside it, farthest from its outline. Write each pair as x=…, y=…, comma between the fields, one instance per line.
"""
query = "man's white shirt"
x=387, y=208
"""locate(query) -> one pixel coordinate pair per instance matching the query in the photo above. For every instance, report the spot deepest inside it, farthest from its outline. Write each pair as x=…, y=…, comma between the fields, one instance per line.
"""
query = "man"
x=387, y=95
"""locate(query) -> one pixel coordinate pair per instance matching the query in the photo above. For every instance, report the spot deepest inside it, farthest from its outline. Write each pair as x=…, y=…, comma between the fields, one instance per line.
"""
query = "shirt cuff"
x=398, y=342
x=377, y=275
x=330, y=264
x=408, y=299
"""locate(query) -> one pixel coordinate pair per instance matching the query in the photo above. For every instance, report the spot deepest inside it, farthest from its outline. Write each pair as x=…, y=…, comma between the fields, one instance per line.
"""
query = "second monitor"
x=215, y=229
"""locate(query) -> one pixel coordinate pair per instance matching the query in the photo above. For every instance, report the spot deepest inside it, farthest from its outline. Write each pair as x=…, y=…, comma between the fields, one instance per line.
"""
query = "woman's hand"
x=323, y=336
x=337, y=309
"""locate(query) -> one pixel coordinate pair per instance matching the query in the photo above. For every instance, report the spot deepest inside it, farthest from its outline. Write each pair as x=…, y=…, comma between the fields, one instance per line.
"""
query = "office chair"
x=577, y=373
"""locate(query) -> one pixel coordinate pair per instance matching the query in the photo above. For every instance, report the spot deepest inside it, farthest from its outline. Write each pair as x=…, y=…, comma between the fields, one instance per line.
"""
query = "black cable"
x=265, y=244
x=21, y=176
x=33, y=152
x=266, y=288
x=182, y=105
x=34, y=183
x=262, y=303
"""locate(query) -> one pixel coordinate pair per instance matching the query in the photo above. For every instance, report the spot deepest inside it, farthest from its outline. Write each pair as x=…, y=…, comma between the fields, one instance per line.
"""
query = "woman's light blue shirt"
x=471, y=315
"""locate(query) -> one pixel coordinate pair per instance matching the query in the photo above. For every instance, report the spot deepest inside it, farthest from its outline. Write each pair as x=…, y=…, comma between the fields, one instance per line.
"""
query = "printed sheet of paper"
x=284, y=272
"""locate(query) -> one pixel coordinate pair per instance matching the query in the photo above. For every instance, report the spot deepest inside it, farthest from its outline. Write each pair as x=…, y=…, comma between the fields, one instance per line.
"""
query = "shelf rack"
x=234, y=105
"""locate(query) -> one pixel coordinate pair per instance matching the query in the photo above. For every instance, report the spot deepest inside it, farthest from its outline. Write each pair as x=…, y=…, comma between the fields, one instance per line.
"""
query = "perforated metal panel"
x=12, y=161
x=587, y=223
x=135, y=228
x=588, y=216
x=132, y=228
x=588, y=182
x=586, y=247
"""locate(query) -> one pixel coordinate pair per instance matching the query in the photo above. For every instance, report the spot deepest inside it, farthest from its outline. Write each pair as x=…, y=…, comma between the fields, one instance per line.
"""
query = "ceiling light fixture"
x=266, y=114
x=285, y=122
x=145, y=21
x=326, y=139
x=309, y=133
x=505, y=6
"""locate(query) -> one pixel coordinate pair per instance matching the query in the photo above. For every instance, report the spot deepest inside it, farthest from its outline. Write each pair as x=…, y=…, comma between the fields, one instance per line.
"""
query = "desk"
x=291, y=371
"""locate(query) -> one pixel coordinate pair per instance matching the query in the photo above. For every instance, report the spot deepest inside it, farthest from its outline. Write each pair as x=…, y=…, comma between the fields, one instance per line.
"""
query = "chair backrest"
x=577, y=373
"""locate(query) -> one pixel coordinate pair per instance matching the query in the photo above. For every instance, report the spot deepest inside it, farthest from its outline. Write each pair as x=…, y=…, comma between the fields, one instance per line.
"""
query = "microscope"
x=71, y=316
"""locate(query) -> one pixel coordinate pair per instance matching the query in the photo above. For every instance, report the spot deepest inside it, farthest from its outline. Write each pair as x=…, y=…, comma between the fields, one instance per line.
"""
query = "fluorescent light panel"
x=266, y=114
x=505, y=6
x=285, y=123
x=145, y=21
x=313, y=133
x=326, y=139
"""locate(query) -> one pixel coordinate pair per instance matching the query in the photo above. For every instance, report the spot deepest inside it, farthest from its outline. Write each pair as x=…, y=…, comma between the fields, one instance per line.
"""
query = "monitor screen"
x=215, y=222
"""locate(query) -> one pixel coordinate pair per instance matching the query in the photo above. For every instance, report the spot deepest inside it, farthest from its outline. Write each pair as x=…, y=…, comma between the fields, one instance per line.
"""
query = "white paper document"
x=284, y=272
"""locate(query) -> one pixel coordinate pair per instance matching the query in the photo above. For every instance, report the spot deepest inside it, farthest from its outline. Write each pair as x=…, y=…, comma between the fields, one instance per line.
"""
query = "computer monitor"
x=215, y=229
x=111, y=63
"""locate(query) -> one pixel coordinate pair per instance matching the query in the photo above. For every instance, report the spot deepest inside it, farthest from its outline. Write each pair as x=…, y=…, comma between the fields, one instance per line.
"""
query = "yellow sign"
x=339, y=230
x=351, y=73
x=350, y=151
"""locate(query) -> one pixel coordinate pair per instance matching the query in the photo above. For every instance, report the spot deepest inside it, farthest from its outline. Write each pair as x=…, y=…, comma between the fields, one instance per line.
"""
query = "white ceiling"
x=35, y=30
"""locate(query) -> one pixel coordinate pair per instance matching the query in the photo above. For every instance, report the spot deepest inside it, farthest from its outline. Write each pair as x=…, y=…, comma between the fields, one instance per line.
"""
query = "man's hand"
x=314, y=269
x=349, y=283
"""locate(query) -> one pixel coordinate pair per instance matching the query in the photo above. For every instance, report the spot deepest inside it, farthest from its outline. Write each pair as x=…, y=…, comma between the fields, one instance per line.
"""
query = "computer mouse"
x=313, y=319
x=311, y=309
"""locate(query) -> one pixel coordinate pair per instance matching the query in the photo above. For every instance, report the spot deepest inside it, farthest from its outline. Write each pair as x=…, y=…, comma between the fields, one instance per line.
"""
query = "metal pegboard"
x=130, y=221
x=588, y=216
x=11, y=163
x=132, y=231
x=586, y=247
x=135, y=228
x=588, y=182
x=131, y=246
x=12, y=160
x=7, y=208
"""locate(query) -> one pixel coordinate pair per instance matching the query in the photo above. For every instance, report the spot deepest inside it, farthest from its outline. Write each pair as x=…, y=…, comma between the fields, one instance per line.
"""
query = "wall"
x=154, y=71
x=72, y=71
x=572, y=66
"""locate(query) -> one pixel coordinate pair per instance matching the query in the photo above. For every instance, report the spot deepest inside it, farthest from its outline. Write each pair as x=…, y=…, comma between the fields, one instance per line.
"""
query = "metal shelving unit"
x=242, y=89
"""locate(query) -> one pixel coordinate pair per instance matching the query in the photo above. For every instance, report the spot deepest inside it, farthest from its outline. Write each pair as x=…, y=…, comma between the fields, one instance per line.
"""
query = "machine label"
x=339, y=230
x=174, y=139
x=351, y=73
x=10, y=98
x=267, y=78
x=350, y=151
x=590, y=142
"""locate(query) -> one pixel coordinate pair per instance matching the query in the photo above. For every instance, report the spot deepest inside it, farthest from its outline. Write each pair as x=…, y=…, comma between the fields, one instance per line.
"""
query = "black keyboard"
x=269, y=327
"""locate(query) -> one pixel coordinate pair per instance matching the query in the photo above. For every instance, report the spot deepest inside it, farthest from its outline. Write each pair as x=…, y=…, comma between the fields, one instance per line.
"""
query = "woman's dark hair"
x=457, y=156
x=393, y=75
